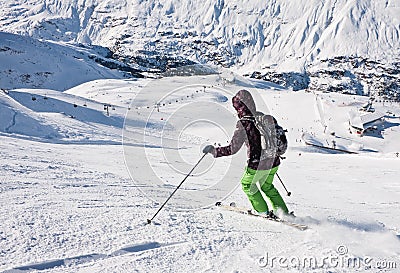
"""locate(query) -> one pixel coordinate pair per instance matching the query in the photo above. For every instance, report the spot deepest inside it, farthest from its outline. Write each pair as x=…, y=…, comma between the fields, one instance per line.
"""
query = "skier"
x=257, y=170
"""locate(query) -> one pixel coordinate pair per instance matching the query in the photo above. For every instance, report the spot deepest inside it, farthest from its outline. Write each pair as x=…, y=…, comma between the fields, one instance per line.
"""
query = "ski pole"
x=166, y=201
x=288, y=192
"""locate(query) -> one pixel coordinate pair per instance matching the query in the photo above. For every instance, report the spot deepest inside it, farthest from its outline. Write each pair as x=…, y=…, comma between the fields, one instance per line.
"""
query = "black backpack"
x=273, y=138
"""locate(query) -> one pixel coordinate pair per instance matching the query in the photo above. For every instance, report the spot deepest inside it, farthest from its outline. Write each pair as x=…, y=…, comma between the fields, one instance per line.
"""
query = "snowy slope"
x=16, y=118
x=50, y=116
x=29, y=63
x=70, y=204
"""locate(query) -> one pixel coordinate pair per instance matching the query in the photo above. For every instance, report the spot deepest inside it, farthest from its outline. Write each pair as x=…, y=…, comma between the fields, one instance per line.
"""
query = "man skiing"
x=257, y=170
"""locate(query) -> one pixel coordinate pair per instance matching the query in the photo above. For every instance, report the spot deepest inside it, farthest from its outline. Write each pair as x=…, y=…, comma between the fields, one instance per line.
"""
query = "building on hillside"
x=361, y=121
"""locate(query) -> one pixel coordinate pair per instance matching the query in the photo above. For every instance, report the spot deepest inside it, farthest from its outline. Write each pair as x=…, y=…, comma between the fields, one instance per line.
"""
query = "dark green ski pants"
x=264, y=179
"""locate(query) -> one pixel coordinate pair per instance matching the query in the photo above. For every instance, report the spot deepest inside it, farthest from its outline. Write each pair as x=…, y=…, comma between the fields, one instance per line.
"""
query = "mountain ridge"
x=246, y=37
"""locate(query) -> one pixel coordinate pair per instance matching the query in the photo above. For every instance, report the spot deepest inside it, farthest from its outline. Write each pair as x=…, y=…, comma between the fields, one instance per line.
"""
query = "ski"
x=246, y=211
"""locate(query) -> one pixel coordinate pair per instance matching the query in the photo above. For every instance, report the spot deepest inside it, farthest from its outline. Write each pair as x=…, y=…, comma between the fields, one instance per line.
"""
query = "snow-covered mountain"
x=81, y=170
x=270, y=38
x=257, y=33
x=28, y=62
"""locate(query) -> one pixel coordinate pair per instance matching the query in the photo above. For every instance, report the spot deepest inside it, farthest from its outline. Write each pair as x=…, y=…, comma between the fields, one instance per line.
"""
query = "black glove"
x=208, y=149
